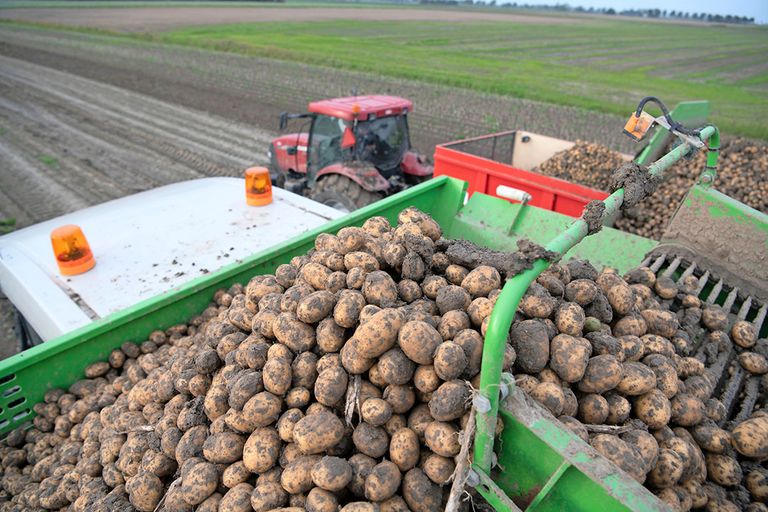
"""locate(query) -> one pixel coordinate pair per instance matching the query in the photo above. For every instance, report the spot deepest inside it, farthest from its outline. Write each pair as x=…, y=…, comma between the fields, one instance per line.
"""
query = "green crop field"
x=601, y=65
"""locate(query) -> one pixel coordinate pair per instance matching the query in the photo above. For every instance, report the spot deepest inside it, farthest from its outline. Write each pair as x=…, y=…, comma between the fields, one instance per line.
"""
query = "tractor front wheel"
x=342, y=193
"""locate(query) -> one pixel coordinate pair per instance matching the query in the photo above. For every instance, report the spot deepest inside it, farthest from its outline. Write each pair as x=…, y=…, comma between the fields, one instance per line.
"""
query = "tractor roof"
x=377, y=105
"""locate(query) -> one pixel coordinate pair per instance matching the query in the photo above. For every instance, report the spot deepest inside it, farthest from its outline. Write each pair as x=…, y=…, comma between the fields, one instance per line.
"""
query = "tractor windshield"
x=383, y=142
x=325, y=145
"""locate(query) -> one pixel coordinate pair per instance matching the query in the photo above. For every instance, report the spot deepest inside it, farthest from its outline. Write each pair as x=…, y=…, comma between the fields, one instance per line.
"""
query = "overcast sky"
x=750, y=8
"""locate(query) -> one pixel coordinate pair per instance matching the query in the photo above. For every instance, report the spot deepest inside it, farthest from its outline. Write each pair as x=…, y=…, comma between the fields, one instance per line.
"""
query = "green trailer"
x=535, y=463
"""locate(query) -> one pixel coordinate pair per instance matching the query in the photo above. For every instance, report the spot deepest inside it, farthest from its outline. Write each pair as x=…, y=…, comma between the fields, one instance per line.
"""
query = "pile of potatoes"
x=344, y=382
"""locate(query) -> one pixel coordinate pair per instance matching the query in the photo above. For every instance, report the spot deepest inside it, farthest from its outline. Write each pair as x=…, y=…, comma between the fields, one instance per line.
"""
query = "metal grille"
x=499, y=147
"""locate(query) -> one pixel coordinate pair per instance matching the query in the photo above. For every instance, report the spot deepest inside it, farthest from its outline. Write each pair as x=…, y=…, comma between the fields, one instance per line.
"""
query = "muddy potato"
x=711, y=438
x=481, y=281
x=570, y=318
x=645, y=445
x=315, y=306
x=409, y=290
x=750, y=437
x=569, y=357
x=662, y=323
x=420, y=493
x=754, y=363
x=330, y=336
x=535, y=306
x=419, y=341
x=620, y=296
x=619, y=409
x=352, y=361
x=714, y=318
x=450, y=361
x=376, y=411
x=631, y=347
x=653, y=409
x=223, y=448
x=370, y=440
x=549, y=395
x=621, y=454
x=602, y=374
x=145, y=491
x=331, y=473
x=404, y=449
x=199, y=483
x=451, y=323
x=743, y=333
x=442, y=438
x=401, y=398
x=277, y=376
x=530, y=340
x=452, y=297
x=688, y=367
x=331, y=386
x=378, y=334
x=317, y=433
x=296, y=477
x=479, y=309
x=449, y=401
x=455, y=274
x=668, y=469
x=293, y=333
x=268, y=496
x=581, y=291
x=379, y=289
x=261, y=450
x=638, y=379
x=687, y=410
x=383, y=481
x=395, y=367
x=757, y=484
x=593, y=409
x=723, y=470
x=666, y=374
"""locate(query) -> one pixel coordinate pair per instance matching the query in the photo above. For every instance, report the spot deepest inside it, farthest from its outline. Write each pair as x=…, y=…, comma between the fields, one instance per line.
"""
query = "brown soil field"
x=149, y=19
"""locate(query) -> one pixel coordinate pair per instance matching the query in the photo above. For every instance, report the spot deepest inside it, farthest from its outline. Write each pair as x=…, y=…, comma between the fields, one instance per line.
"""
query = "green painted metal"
x=507, y=302
x=690, y=113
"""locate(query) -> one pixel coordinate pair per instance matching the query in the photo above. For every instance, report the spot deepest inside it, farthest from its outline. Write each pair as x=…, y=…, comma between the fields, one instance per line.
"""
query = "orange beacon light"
x=258, y=187
x=71, y=249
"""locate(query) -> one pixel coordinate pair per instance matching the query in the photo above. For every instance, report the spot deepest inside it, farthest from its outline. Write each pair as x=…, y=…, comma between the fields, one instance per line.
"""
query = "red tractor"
x=356, y=151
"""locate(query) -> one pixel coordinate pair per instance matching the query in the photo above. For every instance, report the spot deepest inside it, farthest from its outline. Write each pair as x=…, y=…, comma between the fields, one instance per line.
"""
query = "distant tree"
x=610, y=11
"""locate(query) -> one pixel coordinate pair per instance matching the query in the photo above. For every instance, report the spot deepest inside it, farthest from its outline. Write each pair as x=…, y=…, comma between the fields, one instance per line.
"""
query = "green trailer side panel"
x=486, y=221
x=25, y=377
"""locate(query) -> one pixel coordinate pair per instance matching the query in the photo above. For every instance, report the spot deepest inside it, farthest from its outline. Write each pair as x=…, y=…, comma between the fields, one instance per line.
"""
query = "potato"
x=479, y=309
x=261, y=450
x=317, y=433
x=638, y=379
x=404, y=449
x=723, y=470
x=549, y=395
x=619, y=409
x=757, y=484
x=744, y=333
x=145, y=491
x=581, y=291
x=619, y=295
x=378, y=334
x=352, y=361
x=754, y=363
x=370, y=440
x=442, y=438
x=376, y=411
x=602, y=374
x=530, y=340
x=331, y=386
x=261, y=409
x=277, y=376
x=569, y=357
x=199, y=483
x=645, y=445
x=451, y=323
x=395, y=367
x=223, y=448
x=662, y=323
x=315, y=306
x=632, y=324
x=687, y=410
x=711, y=438
x=420, y=493
x=456, y=274
x=382, y=482
x=668, y=470
x=293, y=333
x=653, y=409
x=401, y=398
x=715, y=318
x=569, y=319
x=361, y=466
x=449, y=401
x=621, y=454
x=419, y=341
x=750, y=437
x=331, y=473
x=268, y=496
x=296, y=477
x=450, y=361
x=481, y=281
x=379, y=289
x=359, y=506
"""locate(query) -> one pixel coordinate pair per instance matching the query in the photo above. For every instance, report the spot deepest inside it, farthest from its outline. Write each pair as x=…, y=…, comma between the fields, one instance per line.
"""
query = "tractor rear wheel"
x=342, y=193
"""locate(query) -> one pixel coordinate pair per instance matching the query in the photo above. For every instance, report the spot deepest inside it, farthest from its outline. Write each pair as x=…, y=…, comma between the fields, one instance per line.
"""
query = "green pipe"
x=506, y=305
x=707, y=178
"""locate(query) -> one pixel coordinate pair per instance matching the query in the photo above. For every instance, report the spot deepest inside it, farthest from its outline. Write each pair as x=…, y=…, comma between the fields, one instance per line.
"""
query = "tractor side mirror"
x=348, y=139
x=291, y=150
x=283, y=120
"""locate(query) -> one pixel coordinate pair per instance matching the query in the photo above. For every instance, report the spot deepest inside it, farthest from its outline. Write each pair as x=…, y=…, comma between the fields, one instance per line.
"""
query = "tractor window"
x=383, y=142
x=325, y=147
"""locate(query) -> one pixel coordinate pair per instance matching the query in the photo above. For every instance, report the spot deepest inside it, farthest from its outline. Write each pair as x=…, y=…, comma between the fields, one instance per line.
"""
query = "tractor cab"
x=355, y=151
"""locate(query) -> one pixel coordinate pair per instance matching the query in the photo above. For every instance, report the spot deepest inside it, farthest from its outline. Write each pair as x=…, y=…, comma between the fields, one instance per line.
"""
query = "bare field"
x=67, y=142
x=150, y=19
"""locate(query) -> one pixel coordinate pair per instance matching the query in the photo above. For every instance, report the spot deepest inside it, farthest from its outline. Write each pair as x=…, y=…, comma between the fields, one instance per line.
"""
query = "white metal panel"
x=153, y=242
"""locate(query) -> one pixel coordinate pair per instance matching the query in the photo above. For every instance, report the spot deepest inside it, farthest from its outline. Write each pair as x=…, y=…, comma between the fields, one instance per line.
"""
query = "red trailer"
x=505, y=160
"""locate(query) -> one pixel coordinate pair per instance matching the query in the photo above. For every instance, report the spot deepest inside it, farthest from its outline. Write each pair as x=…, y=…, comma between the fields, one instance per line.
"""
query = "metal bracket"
x=693, y=141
